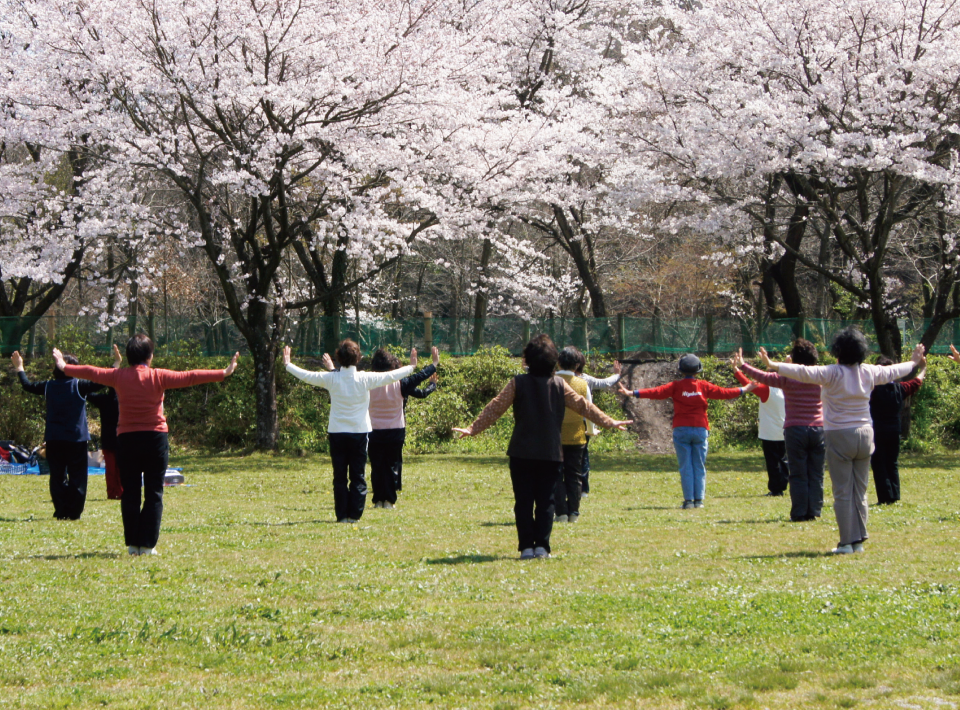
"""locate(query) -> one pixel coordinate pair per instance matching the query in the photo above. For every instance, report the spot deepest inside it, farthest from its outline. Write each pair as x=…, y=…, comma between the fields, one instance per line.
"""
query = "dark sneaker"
x=687, y=505
x=698, y=504
x=527, y=554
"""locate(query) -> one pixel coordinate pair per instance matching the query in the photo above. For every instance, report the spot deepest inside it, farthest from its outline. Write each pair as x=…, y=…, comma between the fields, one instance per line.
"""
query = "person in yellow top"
x=573, y=438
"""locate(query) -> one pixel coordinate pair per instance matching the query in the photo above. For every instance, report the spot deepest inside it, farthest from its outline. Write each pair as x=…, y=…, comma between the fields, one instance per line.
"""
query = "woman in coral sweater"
x=142, y=446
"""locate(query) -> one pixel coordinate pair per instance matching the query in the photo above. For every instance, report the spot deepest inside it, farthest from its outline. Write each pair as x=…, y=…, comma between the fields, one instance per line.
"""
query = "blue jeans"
x=690, y=443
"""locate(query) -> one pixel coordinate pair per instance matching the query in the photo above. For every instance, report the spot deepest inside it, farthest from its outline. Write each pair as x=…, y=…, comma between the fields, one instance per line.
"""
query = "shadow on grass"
x=288, y=523
x=750, y=522
x=806, y=554
x=508, y=524
x=466, y=559
x=652, y=507
x=80, y=556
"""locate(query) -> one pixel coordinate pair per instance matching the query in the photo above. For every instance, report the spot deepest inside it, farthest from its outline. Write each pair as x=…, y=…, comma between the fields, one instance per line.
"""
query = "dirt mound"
x=652, y=419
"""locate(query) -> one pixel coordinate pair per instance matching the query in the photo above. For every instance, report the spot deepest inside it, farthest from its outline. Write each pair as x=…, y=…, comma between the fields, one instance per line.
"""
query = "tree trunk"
x=265, y=386
x=480, y=305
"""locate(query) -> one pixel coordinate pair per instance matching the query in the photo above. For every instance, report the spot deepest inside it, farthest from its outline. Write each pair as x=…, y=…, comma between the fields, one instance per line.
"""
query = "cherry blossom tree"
x=771, y=125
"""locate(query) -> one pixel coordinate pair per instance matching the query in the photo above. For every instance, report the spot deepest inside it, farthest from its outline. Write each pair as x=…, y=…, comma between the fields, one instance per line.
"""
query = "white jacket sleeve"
x=889, y=373
x=317, y=379
x=372, y=380
x=596, y=383
x=811, y=374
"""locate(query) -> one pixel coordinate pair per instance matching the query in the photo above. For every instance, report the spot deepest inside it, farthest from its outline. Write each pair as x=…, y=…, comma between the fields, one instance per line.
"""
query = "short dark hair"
x=139, y=349
x=804, y=352
x=884, y=361
x=569, y=358
x=348, y=353
x=384, y=361
x=540, y=355
x=59, y=374
x=850, y=346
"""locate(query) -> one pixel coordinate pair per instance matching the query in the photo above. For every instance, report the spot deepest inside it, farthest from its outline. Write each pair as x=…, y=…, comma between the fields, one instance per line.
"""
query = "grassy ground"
x=259, y=600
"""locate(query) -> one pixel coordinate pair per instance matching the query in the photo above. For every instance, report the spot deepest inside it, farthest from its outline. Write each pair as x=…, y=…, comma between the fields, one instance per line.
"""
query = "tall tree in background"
x=777, y=122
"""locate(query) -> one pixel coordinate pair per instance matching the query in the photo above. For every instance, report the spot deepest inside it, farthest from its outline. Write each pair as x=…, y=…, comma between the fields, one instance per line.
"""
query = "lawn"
x=259, y=600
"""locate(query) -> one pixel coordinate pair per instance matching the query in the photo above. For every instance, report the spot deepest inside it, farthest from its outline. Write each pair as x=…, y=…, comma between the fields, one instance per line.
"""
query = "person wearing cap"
x=691, y=428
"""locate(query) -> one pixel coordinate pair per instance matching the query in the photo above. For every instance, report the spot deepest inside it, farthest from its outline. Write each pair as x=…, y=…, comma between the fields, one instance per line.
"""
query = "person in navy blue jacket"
x=886, y=404
x=66, y=435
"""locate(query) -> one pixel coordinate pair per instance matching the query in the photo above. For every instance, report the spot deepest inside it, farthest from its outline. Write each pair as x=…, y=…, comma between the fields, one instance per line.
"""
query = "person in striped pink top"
x=802, y=430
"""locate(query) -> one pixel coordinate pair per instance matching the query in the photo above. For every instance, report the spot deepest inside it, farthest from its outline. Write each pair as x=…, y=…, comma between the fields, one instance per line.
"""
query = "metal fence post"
x=428, y=330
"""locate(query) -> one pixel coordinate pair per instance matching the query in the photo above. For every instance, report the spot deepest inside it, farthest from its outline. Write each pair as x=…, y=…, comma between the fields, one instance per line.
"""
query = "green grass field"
x=260, y=600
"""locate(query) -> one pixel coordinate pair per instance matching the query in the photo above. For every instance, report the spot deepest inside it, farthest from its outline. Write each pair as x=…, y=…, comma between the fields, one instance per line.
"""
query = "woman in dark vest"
x=66, y=435
x=539, y=400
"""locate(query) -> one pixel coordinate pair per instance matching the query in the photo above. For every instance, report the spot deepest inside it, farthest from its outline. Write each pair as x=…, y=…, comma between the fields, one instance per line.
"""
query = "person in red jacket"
x=142, y=447
x=691, y=429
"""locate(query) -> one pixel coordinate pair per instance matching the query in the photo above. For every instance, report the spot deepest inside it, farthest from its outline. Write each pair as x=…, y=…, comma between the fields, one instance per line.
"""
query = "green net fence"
x=457, y=336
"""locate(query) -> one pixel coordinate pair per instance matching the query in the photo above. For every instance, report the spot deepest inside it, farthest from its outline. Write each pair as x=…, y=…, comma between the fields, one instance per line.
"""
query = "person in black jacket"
x=539, y=401
x=109, y=408
x=66, y=435
x=886, y=404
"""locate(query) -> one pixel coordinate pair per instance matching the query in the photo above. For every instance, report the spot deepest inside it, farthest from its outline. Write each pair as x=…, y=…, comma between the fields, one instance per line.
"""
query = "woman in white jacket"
x=847, y=426
x=349, y=425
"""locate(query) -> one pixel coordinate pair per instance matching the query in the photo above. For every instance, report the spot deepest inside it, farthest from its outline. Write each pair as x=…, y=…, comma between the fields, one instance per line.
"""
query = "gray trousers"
x=848, y=457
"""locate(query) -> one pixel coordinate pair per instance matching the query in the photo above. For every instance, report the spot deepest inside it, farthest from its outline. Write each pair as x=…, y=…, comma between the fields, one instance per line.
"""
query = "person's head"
x=59, y=374
x=569, y=358
x=348, y=353
x=850, y=346
x=884, y=361
x=384, y=361
x=689, y=365
x=541, y=356
x=139, y=350
x=804, y=352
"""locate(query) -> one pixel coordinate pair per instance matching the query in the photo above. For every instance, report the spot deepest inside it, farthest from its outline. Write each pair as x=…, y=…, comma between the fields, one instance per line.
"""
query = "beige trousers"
x=848, y=458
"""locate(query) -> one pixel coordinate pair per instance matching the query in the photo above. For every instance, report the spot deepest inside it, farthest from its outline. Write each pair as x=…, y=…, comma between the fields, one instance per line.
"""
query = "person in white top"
x=349, y=425
x=598, y=383
x=848, y=428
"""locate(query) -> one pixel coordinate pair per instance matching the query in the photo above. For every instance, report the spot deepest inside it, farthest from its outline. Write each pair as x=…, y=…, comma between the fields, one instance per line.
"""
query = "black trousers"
x=778, y=475
x=534, y=482
x=806, y=452
x=386, y=458
x=68, y=478
x=585, y=477
x=142, y=459
x=567, y=495
x=348, y=452
x=886, y=469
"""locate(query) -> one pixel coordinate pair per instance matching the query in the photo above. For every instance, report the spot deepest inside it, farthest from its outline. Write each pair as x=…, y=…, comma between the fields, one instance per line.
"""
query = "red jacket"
x=690, y=397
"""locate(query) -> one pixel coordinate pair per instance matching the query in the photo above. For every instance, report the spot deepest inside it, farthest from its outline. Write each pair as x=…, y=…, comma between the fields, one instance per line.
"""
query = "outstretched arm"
x=425, y=392
x=492, y=412
x=586, y=409
x=25, y=383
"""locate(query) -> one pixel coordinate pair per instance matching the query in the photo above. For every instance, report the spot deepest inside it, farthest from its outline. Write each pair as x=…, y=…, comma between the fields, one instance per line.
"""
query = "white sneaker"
x=858, y=547
x=133, y=550
x=560, y=519
x=148, y=551
x=541, y=553
x=573, y=517
x=387, y=505
x=843, y=550
x=527, y=554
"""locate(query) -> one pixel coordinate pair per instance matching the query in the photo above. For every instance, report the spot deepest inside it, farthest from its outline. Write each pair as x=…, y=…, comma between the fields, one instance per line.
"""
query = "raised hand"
x=232, y=366
x=286, y=355
x=737, y=359
x=413, y=357
x=917, y=356
x=327, y=362
x=434, y=378
x=954, y=354
x=788, y=359
x=17, y=361
x=750, y=387
x=117, y=359
x=435, y=355
x=622, y=425
x=464, y=433
x=767, y=362
x=623, y=390
x=616, y=367
x=58, y=358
